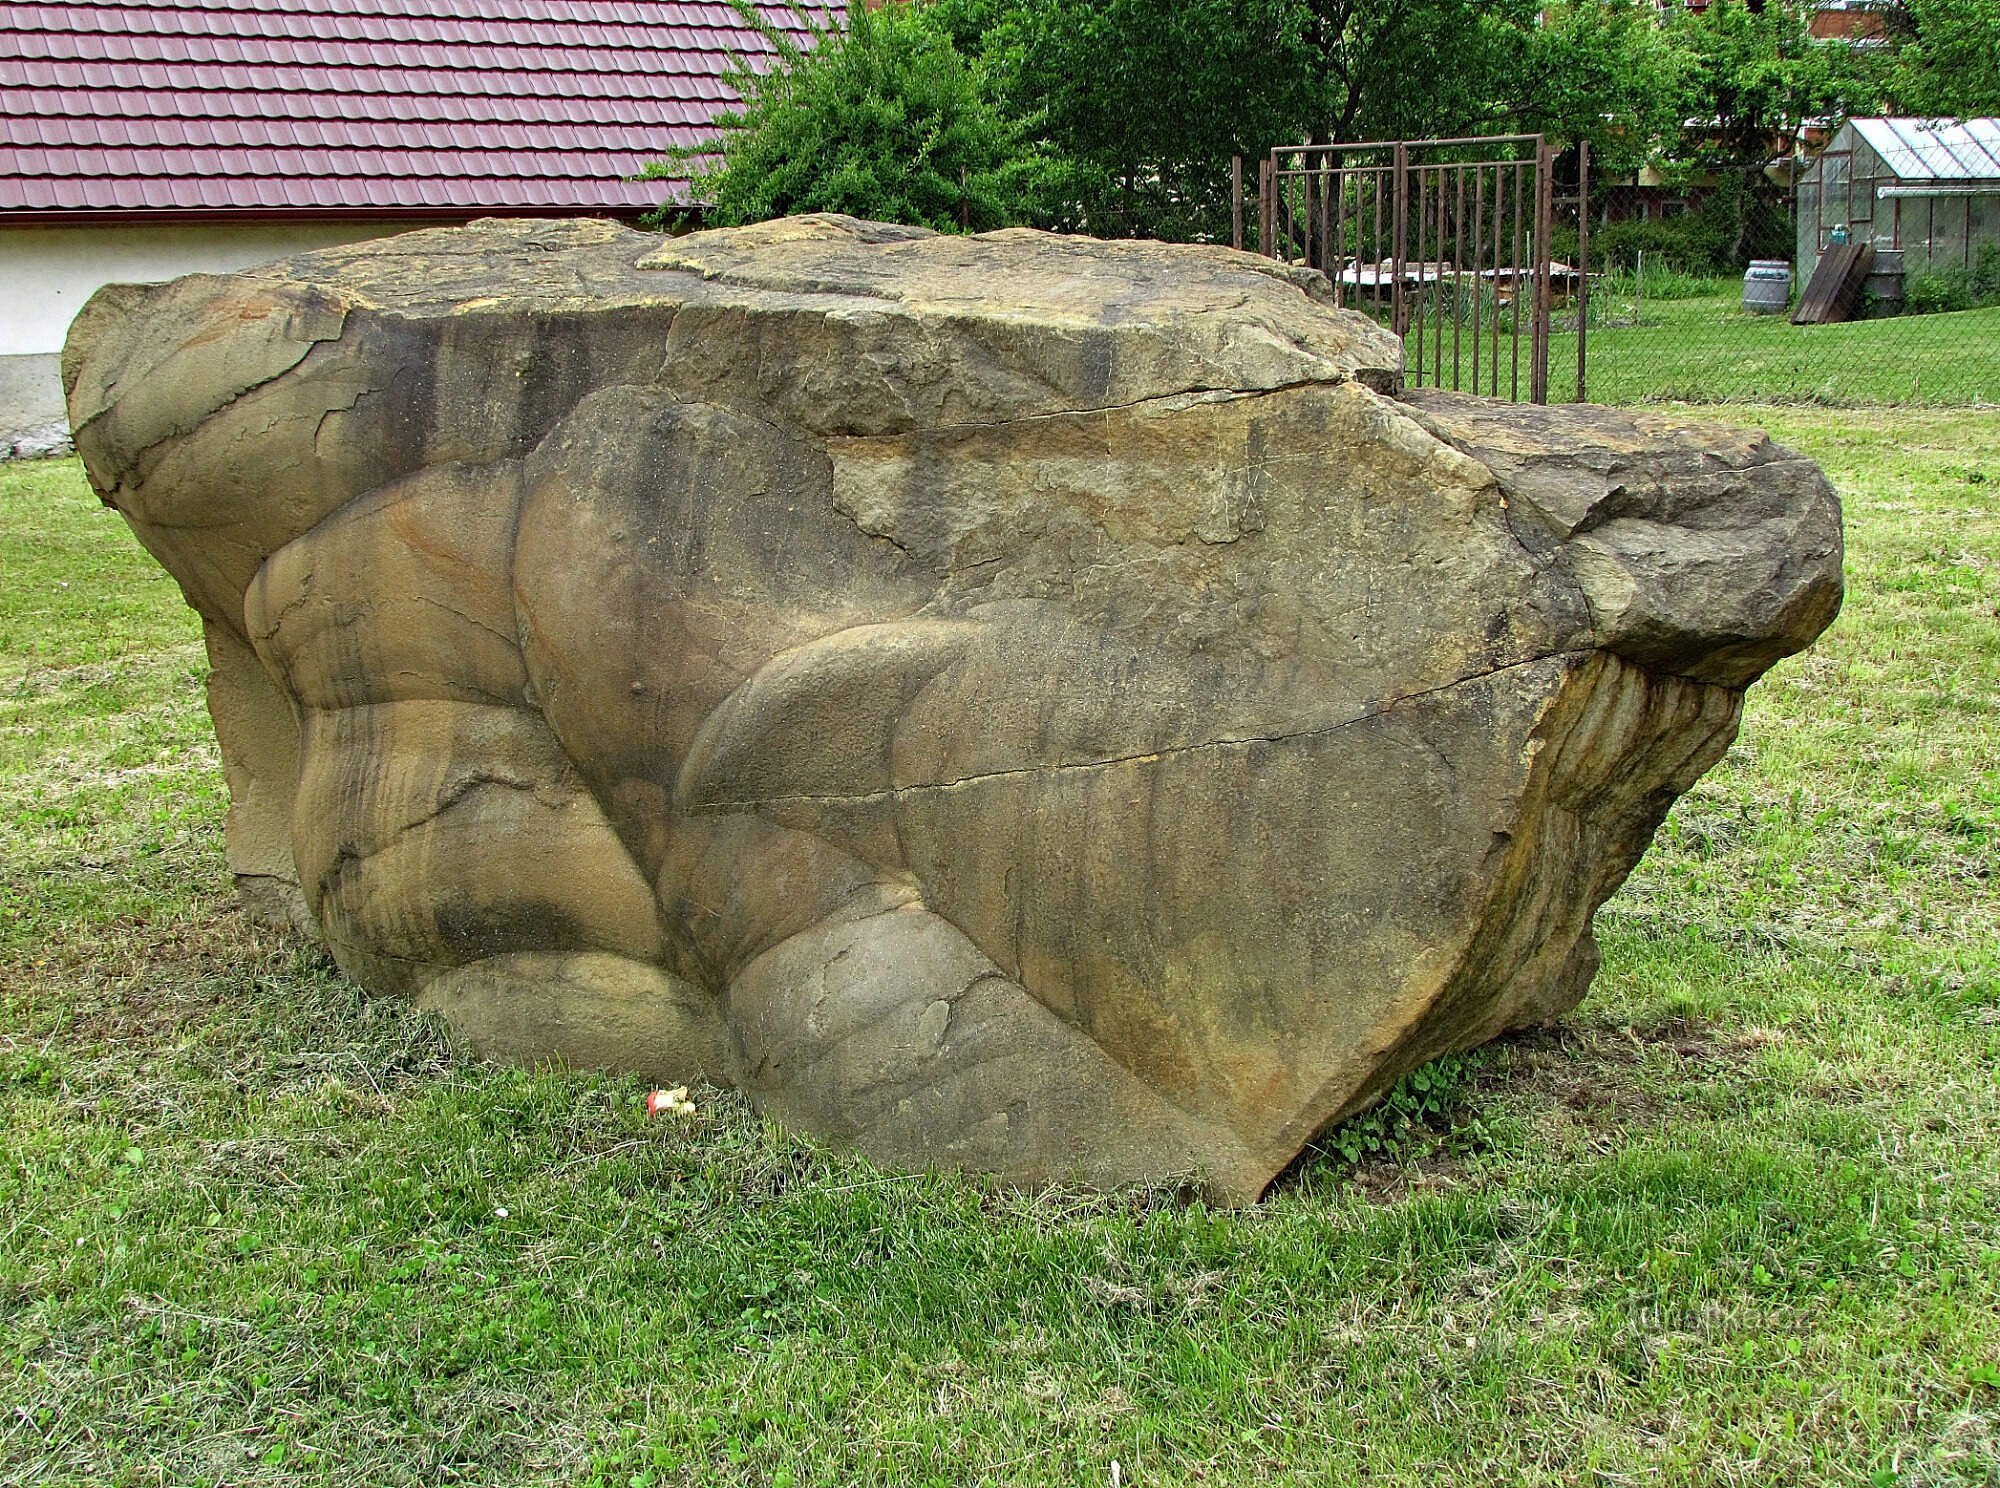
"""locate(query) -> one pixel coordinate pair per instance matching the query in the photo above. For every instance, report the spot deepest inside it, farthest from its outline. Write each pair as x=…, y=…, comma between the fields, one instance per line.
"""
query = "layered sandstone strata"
x=1038, y=705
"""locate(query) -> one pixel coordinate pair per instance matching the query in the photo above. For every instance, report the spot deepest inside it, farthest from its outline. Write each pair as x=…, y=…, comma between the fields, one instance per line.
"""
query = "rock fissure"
x=1242, y=741
x=351, y=855
x=459, y=612
x=1193, y=394
x=141, y=453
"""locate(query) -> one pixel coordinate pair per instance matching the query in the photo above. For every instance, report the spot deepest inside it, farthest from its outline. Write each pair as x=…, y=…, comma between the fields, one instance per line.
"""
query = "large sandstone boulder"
x=1031, y=704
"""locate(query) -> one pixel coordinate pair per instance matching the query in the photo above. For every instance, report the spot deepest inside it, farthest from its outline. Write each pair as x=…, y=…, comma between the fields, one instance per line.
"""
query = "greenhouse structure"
x=1928, y=187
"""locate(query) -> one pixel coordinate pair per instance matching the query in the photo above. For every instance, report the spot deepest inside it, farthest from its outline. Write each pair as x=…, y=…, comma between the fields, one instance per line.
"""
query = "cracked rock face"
x=1028, y=704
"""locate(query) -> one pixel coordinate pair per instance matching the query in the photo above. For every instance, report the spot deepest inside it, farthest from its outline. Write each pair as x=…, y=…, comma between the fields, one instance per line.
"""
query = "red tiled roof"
x=419, y=107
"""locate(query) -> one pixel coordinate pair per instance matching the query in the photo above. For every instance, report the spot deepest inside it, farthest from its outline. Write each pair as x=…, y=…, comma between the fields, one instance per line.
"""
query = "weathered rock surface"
x=1045, y=706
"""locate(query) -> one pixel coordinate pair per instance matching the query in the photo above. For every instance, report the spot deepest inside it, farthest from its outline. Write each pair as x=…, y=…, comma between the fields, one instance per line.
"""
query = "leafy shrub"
x=1933, y=290
x=1769, y=230
x=1427, y=1096
x=1729, y=227
x=1986, y=274
x=1685, y=243
x=1937, y=290
x=879, y=116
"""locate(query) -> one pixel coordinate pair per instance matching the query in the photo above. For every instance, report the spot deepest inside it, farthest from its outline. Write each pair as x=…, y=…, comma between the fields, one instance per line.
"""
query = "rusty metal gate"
x=1445, y=241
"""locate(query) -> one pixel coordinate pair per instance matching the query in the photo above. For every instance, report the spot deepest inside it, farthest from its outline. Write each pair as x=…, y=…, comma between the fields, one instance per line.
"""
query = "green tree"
x=1149, y=100
x=1753, y=77
x=1146, y=101
x=1946, y=58
x=1121, y=117
x=879, y=116
x=1601, y=71
x=1408, y=69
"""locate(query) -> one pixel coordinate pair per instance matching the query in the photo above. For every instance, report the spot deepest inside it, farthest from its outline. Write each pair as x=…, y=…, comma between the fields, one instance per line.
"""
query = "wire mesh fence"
x=1696, y=297
x=1721, y=290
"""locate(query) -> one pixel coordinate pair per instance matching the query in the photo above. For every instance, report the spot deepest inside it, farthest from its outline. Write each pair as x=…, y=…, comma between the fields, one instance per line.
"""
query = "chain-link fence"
x=1742, y=289
x=1868, y=277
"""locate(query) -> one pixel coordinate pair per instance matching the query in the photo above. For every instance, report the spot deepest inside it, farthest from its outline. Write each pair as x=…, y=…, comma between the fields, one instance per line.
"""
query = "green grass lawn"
x=1708, y=350
x=1736, y=1221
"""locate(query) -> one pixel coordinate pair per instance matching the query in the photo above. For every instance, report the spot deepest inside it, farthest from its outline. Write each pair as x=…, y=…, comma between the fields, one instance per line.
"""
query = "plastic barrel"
x=1767, y=286
x=1884, y=285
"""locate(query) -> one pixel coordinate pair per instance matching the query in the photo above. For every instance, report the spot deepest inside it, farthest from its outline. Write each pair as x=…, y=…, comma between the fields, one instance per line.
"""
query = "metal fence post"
x=1538, y=372
x=1267, y=223
x=1236, y=202
x=1401, y=250
x=1582, y=263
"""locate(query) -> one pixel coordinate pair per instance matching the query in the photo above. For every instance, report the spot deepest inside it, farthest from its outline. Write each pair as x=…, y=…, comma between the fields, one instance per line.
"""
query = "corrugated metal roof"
x=1935, y=149
x=462, y=106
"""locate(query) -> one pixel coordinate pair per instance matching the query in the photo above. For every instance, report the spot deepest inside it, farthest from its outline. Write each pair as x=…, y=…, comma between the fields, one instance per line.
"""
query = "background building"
x=1930, y=187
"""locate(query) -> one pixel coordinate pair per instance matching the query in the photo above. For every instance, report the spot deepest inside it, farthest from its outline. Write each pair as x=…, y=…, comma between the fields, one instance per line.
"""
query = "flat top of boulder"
x=1259, y=323
x=1103, y=282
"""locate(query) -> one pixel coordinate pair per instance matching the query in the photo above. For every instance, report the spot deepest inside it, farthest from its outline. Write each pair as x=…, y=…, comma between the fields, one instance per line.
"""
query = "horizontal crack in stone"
x=1244, y=742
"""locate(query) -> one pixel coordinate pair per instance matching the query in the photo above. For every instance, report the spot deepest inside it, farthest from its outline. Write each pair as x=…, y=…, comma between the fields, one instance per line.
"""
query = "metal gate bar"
x=1444, y=241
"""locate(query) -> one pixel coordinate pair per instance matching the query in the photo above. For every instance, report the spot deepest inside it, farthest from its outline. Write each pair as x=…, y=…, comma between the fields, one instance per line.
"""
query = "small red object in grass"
x=669, y=1102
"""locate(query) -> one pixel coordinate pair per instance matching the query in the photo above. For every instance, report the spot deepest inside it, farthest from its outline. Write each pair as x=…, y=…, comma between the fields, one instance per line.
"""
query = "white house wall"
x=46, y=274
